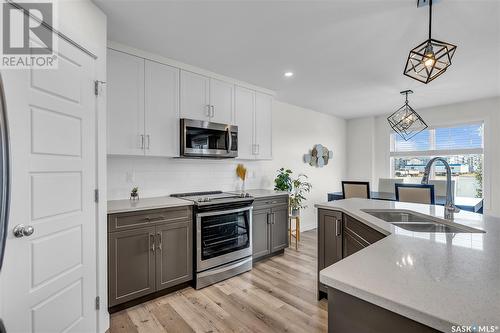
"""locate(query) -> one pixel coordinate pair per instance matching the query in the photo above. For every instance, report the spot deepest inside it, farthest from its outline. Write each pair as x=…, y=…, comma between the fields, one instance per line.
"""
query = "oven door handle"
x=224, y=212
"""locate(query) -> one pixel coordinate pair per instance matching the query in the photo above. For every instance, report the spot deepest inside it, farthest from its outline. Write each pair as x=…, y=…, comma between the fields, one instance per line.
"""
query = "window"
x=461, y=146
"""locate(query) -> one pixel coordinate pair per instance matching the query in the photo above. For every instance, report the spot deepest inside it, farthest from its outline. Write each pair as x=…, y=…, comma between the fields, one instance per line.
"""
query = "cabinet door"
x=330, y=238
x=279, y=228
x=244, y=116
x=263, y=125
x=125, y=109
x=131, y=265
x=174, y=256
x=162, y=110
x=195, y=96
x=222, y=101
x=261, y=242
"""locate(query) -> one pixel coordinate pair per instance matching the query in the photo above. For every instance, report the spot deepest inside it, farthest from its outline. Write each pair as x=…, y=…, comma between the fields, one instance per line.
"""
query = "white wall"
x=376, y=143
x=295, y=131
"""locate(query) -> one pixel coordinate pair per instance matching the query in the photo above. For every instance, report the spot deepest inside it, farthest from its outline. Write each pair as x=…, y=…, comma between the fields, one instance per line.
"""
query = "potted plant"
x=300, y=187
x=283, y=181
x=134, y=193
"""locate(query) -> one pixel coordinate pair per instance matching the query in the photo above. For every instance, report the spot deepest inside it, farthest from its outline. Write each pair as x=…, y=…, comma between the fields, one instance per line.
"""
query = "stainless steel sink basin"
x=419, y=222
x=397, y=216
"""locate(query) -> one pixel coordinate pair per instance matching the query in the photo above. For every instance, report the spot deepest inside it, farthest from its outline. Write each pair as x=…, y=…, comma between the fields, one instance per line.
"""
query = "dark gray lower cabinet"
x=329, y=241
x=269, y=226
x=174, y=254
x=339, y=236
x=261, y=242
x=131, y=264
x=146, y=259
x=279, y=228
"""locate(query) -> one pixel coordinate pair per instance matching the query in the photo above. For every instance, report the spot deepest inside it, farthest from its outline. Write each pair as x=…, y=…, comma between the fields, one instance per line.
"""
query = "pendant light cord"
x=430, y=18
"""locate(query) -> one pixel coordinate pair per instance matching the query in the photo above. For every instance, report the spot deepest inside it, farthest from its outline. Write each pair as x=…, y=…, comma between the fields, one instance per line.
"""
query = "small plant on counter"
x=283, y=181
x=134, y=193
x=300, y=187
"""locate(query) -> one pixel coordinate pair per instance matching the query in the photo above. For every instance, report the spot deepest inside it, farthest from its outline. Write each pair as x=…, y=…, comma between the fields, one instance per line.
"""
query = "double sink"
x=419, y=222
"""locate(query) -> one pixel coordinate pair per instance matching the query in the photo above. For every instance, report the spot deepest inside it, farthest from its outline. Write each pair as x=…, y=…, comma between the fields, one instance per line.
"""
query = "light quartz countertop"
x=437, y=279
x=126, y=205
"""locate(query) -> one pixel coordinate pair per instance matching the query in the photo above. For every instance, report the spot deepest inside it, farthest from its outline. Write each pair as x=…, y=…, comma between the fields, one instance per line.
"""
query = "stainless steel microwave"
x=206, y=139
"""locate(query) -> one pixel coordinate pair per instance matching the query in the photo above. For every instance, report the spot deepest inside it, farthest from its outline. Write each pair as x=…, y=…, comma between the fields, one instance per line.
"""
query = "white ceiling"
x=347, y=56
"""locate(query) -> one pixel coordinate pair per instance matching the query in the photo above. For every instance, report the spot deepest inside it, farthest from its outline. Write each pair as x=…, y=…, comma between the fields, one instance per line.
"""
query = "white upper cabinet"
x=162, y=110
x=221, y=101
x=125, y=110
x=195, y=96
x=253, y=115
x=263, y=125
x=244, y=119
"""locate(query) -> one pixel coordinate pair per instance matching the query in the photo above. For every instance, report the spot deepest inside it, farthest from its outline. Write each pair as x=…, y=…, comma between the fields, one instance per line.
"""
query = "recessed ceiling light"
x=288, y=74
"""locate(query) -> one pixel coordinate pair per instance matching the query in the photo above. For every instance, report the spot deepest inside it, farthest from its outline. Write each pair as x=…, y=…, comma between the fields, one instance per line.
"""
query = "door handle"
x=159, y=240
x=22, y=230
x=337, y=227
x=229, y=140
x=152, y=246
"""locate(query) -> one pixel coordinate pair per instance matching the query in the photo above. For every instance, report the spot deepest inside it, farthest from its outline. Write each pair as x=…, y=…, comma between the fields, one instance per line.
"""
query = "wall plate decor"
x=318, y=156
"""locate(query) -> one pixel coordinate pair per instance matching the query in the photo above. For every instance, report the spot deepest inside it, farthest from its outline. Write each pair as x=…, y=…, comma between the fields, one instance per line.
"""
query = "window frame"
x=436, y=152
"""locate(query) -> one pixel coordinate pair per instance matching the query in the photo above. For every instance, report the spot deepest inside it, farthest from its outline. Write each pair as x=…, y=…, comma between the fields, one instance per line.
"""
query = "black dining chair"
x=416, y=193
x=352, y=189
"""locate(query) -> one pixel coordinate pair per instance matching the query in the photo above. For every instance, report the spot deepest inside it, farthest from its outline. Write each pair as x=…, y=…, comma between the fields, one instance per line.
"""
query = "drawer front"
x=132, y=220
x=270, y=202
x=361, y=230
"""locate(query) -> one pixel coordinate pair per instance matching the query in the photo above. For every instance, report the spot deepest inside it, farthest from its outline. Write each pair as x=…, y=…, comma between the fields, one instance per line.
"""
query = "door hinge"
x=97, y=303
x=96, y=195
x=97, y=87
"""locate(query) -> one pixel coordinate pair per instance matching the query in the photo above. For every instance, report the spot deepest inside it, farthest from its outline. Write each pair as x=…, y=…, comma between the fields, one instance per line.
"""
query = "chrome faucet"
x=449, y=206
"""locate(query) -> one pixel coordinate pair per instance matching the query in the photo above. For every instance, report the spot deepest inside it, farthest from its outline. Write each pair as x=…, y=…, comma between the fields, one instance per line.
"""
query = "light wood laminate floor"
x=277, y=295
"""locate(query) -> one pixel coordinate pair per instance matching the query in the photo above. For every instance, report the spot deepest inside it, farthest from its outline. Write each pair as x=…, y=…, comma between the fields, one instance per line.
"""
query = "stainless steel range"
x=223, y=235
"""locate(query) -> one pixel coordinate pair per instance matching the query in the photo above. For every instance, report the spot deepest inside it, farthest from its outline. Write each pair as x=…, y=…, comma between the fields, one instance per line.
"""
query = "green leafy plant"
x=300, y=186
x=134, y=192
x=283, y=181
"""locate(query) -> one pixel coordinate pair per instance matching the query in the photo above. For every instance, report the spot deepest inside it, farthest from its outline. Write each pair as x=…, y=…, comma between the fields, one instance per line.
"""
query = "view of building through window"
x=461, y=146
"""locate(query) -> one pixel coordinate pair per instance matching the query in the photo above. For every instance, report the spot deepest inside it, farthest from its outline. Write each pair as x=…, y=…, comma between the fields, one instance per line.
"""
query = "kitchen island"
x=435, y=279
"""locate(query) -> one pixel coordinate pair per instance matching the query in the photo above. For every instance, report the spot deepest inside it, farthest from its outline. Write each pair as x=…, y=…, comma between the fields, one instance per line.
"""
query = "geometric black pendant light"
x=406, y=121
x=430, y=59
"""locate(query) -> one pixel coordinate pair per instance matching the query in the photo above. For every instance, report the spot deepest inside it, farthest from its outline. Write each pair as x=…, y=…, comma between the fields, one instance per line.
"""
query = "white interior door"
x=125, y=97
x=162, y=110
x=245, y=107
x=222, y=101
x=195, y=96
x=263, y=125
x=49, y=277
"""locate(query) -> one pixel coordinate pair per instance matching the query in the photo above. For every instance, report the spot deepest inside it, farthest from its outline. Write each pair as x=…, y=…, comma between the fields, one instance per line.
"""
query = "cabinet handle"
x=208, y=110
x=268, y=219
x=148, y=141
x=152, y=246
x=142, y=141
x=159, y=241
x=274, y=218
x=213, y=112
x=337, y=227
